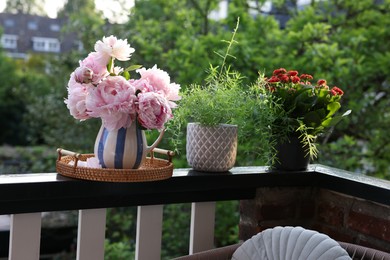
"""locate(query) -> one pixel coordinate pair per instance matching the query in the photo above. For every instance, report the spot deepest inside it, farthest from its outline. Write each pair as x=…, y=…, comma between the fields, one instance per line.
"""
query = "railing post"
x=91, y=234
x=25, y=236
x=202, y=226
x=149, y=232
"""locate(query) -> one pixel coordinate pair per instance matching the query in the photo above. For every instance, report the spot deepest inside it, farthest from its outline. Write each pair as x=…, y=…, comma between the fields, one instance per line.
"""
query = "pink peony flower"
x=83, y=75
x=159, y=82
x=142, y=85
x=92, y=63
x=112, y=47
x=153, y=110
x=77, y=94
x=93, y=91
x=114, y=101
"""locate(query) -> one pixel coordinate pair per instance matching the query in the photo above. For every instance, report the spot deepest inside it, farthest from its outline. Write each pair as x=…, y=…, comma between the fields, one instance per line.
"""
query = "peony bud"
x=83, y=75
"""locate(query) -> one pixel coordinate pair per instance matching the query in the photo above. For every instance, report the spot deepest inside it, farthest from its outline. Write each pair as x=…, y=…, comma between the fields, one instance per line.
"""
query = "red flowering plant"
x=302, y=108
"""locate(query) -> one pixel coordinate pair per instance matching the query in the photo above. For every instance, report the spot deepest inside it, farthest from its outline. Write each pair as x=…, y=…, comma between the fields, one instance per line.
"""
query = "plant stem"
x=229, y=46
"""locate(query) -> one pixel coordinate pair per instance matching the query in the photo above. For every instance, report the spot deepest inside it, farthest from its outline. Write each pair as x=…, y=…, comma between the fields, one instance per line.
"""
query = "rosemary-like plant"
x=220, y=99
x=224, y=99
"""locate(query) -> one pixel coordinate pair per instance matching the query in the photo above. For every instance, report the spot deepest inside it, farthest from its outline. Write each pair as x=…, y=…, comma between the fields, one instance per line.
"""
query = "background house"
x=24, y=33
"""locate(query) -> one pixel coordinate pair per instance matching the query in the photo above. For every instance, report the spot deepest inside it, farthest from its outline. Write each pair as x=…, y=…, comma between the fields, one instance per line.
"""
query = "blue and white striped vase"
x=125, y=148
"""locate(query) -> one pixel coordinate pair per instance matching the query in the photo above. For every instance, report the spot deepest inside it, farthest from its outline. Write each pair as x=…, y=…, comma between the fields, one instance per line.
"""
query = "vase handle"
x=158, y=140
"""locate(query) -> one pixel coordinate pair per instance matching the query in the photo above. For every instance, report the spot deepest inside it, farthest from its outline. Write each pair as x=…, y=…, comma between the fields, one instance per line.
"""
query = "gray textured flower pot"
x=211, y=149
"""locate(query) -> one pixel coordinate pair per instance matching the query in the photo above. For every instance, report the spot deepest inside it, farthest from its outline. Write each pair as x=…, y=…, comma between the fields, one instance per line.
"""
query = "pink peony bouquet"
x=98, y=89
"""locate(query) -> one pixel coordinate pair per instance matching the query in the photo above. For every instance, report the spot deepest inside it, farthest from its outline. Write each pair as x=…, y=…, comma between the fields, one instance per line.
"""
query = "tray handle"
x=62, y=152
x=168, y=153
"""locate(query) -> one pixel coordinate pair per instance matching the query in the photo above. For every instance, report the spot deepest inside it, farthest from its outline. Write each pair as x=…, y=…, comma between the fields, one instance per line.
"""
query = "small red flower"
x=306, y=76
x=292, y=73
x=284, y=78
x=274, y=79
x=321, y=82
x=295, y=79
x=279, y=71
x=335, y=91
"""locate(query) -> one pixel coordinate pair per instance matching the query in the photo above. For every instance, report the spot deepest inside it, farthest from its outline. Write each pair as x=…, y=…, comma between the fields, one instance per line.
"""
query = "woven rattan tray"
x=152, y=169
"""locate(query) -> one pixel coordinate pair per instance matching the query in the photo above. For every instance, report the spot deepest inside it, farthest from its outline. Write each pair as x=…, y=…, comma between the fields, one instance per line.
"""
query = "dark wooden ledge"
x=24, y=193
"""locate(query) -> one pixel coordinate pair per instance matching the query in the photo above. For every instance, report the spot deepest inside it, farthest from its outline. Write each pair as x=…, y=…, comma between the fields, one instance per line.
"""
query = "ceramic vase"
x=125, y=148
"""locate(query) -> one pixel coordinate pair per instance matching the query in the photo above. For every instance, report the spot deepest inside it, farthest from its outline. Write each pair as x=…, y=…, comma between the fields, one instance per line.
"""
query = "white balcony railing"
x=25, y=196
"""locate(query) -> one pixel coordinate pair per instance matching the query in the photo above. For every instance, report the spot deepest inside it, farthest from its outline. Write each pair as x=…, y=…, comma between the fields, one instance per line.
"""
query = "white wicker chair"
x=356, y=252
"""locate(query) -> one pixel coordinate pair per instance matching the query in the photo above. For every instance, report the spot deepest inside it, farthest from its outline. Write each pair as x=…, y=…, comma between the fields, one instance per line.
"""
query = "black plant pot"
x=291, y=156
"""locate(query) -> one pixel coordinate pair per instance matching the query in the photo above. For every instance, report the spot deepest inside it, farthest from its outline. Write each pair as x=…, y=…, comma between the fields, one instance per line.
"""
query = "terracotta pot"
x=211, y=149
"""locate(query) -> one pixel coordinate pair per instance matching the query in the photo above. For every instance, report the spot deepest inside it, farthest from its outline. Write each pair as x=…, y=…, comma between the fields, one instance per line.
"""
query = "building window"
x=55, y=27
x=9, y=41
x=54, y=46
x=32, y=25
x=46, y=44
x=39, y=45
x=9, y=23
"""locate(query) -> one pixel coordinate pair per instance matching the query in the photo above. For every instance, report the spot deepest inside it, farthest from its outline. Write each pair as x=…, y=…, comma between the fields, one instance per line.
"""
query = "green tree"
x=12, y=107
x=342, y=41
x=25, y=7
x=171, y=34
x=73, y=6
x=84, y=21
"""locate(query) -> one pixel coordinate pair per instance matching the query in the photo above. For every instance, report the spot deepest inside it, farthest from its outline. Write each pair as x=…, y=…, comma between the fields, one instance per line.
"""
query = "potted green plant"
x=302, y=111
x=216, y=115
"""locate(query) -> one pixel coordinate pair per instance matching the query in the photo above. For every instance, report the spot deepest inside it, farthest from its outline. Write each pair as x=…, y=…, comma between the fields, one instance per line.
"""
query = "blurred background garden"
x=346, y=42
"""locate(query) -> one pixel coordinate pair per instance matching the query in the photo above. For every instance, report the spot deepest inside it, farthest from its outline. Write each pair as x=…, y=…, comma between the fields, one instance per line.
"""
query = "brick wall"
x=342, y=217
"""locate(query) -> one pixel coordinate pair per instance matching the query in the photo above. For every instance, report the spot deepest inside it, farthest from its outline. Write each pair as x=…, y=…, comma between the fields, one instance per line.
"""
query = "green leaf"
x=132, y=67
x=126, y=75
x=109, y=65
x=305, y=96
x=220, y=55
x=323, y=93
x=332, y=108
x=332, y=121
x=313, y=118
x=304, y=101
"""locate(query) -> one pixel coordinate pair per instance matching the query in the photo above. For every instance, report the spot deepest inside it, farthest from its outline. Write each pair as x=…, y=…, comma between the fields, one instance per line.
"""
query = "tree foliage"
x=25, y=7
x=8, y=100
x=342, y=41
x=84, y=21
